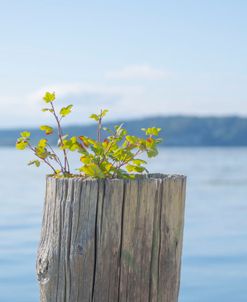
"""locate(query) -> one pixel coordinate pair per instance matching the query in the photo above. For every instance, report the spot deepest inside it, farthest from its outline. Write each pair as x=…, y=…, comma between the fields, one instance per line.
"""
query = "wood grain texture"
x=112, y=240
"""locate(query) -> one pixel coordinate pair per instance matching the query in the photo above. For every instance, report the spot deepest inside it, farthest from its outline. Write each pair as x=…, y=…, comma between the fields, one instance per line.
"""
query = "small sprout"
x=94, y=117
x=25, y=134
x=98, y=117
x=48, y=130
x=49, y=97
x=115, y=153
x=152, y=131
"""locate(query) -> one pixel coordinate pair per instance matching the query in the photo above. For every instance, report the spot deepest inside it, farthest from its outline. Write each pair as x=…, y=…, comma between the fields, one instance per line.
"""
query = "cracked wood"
x=112, y=240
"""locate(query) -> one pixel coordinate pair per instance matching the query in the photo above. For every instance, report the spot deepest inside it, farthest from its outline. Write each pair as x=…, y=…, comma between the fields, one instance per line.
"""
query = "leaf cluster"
x=117, y=155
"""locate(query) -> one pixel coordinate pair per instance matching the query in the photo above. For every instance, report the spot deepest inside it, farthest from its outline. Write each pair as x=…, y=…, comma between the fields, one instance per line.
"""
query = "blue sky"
x=136, y=58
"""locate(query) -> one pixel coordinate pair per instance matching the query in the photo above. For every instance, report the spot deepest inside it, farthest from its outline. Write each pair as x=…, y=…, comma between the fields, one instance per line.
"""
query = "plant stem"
x=57, y=159
x=60, y=135
x=46, y=161
x=99, y=128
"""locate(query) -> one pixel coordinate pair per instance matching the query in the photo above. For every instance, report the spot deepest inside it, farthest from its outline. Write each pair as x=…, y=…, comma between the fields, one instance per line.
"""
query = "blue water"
x=215, y=238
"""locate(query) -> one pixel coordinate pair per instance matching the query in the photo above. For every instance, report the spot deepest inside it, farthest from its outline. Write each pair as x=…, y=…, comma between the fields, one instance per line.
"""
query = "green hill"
x=177, y=130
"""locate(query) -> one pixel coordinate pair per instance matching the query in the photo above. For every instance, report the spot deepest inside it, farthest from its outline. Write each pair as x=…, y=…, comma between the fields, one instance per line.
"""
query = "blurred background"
x=179, y=65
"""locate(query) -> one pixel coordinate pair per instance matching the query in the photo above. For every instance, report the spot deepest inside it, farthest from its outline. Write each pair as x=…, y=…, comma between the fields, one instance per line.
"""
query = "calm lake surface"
x=215, y=239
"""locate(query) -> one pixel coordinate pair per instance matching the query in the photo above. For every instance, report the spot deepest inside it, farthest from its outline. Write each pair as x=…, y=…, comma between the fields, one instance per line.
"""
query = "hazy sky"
x=136, y=58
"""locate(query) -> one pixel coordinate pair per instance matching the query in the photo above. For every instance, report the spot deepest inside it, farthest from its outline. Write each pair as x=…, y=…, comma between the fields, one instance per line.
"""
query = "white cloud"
x=183, y=94
x=140, y=72
x=84, y=89
x=87, y=98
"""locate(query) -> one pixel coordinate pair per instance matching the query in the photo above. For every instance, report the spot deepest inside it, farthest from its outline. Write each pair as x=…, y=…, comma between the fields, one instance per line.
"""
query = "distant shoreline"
x=178, y=131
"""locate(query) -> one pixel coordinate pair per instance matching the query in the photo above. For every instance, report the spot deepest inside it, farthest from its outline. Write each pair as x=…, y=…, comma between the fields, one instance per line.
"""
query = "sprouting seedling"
x=114, y=153
x=43, y=150
x=117, y=155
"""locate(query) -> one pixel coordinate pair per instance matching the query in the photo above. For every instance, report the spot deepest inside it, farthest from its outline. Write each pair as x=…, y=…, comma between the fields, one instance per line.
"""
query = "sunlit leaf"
x=85, y=159
x=42, y=143
x=94, y=117
x=21, y=145
x=152, y=131
x=66, y=110
x=41, y=152
x=25, y=134
x=49, y=97
x=104, y=112
x=138, y=162
x=48, y=130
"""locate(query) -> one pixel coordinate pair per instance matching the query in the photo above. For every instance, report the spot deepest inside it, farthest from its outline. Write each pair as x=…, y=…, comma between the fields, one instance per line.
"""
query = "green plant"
x=114, y=153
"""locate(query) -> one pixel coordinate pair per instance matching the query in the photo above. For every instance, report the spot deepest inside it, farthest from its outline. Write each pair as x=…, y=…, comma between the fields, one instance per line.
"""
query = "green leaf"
x=150, y=142
x=47, y=109
x=21, y=145
x=42, y=143
x=92, y=170
x=48, y=130
x=25, y=134
x=85, y=159
x=41, y=152
x=152, y=131
x=66, y=110
x=131, y=139
x=34, y=162
x=94, y=117
x=49, y=97
x=152, y=152
x=137, y=169
x=97, y=117
x=73, y=139
x=104, y=112
x=138, y=162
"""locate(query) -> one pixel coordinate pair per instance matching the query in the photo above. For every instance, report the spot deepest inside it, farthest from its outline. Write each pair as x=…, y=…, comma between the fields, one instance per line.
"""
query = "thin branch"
x=123, y=163
x=60, y=135
x=57, y=159
x=99, y=128
x=46, y=161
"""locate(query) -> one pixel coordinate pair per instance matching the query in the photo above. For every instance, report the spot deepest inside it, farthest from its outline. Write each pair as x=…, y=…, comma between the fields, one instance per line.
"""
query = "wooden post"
x=112, y=240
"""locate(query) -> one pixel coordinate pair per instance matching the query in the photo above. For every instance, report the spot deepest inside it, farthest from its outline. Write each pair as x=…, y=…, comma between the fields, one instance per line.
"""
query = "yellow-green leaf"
x=94, y=117
x=21, y=145
x=152, y=131
x=25, y=134
x=138, y=162
x=48, y=130
x=85, y=159
x=42, y=143
x=66, y=110
x=49, y=97
x=104, y=112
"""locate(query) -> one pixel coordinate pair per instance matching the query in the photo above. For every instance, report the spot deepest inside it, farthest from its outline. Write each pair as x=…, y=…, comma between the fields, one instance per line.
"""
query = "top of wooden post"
x=149, y=176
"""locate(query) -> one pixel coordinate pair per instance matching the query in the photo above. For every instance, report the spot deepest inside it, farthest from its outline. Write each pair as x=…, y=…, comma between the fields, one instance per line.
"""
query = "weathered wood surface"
x=112, y=240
